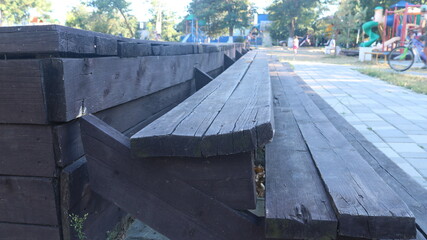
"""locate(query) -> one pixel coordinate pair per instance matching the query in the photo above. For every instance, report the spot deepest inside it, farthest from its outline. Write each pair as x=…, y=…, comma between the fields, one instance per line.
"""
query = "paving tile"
x=419, y=138
x=368, y=116
x=419, y=163
x=409, y=169
x=406, y=148
x=398, y=140
x=390, y=133
x=414, y=155
x=398, y=160
x=389, y=152
x=371, y=137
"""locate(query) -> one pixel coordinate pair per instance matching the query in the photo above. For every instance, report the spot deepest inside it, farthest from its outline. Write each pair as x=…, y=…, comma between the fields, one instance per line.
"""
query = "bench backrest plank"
x=193, y=128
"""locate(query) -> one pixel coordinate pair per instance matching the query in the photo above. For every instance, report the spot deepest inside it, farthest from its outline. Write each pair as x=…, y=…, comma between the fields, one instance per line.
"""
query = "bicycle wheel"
x=401, y=58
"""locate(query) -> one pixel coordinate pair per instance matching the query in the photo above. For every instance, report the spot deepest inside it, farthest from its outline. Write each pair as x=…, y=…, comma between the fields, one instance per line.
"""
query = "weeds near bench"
x=77, y=223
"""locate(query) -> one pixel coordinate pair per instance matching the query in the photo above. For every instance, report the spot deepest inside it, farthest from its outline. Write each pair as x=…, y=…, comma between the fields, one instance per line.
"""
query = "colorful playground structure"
x=393, y=24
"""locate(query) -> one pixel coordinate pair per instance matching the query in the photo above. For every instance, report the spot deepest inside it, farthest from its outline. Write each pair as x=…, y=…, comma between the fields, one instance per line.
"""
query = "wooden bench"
x=189, y=174
x=376, y=54
x=317, y=184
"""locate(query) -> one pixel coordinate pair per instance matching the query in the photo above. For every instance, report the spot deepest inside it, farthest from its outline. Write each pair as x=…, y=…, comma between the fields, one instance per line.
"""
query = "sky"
x=139, y=7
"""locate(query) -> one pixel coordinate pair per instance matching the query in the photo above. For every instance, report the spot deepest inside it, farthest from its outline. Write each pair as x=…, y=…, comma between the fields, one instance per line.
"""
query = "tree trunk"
x=292, y=28
x=230, y=31
x=127, y=23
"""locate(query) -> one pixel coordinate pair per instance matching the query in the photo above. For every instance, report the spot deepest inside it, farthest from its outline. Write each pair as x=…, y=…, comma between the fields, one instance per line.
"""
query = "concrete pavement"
x=393, y=118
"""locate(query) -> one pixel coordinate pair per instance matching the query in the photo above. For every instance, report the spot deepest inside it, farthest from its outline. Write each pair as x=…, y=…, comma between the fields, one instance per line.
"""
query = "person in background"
x=330, y=46
x=295, y=45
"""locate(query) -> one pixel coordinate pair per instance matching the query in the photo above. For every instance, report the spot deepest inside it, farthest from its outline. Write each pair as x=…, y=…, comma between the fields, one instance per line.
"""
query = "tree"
x=89, y=19
x=15, y=11
x=111, y=8
x=167, y=25
x=347, y=20
x=291, y=13
x=221, y=16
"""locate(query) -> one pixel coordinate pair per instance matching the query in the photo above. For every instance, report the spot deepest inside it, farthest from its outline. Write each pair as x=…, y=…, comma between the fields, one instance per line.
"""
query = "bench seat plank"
x=297, y=206
x=197, y=127
x=412, y=193
x=364, y=204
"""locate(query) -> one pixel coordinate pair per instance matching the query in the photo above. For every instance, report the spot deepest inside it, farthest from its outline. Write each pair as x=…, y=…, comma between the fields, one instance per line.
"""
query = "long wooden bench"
x=190, y=173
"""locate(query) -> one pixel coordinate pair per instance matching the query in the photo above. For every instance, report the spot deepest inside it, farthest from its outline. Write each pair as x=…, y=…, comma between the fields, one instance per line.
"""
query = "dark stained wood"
x=27, y=150
x=228, y=61
x=414, y=195
x=105, y=46
x=68, y=143
x=160, y=200
x=365, y=206
x=201, y=78
x=133, y=115
x=229, y=179
x=28, y=200
x=297, y=206
x=21, y=88
x=13, y=231
x=127, y=49
x=220, y=119
x=78, y=86
x=77, y=198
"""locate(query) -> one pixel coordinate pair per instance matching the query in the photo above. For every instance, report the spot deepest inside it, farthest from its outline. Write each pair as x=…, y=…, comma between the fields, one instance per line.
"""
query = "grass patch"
x=415, y=83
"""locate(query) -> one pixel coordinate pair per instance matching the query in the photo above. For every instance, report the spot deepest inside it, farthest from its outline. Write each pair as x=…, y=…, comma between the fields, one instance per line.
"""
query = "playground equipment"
x=193, y=30
x=367, y=27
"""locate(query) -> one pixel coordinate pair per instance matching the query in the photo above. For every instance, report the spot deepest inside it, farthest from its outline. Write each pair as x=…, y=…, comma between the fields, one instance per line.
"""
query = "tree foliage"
x=222, y=16
x=168, y=29
x=90, y=19
x=349, y=17
x=15, y=11
x=114, y=8
x=291, y=15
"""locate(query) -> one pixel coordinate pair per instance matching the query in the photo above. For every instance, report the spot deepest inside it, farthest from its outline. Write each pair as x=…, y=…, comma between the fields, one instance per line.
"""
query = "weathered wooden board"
x=365, y=206
x=28, y=200
x=13, y=231
x=21, y=88
x=414, y=195
x=68, y=143
x=297, y=205
x=77, y=86
x=125, y=116
x=228, y=61
x=27, y=150
x=219, y=119
x=229, y=179
x=163, y=202
x=77, y=198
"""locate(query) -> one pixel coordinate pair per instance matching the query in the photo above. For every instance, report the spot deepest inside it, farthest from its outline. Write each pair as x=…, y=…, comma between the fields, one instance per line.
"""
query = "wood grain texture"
x=27, y=150
x=13, y=231
x=67, y=143
x=297, y=205
x=77, y=198
x=21, y=88
x=28, y=200
x=365, y=205
x=163, y=202
x=414, y=195
x=77, y=86
x=231, y=114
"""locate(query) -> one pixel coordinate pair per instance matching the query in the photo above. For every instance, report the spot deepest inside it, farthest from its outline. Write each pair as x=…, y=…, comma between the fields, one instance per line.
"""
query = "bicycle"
x=402, y=58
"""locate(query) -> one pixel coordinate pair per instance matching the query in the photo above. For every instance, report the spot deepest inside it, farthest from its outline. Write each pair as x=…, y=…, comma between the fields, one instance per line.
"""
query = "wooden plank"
x=297, y=206
x=21, y=88
x=28, y=200
x=105, y=46
x=142, y=109
x=414, y=195
x=67, y=143
x=77, y=86
x=238, y=55
x=163, y=202
x=201, y=78
x=13, y=231
x=191, y=128
x=27, y=150
x=229, y=179
x=246, y=120
x=365, y=206
x=77, y=198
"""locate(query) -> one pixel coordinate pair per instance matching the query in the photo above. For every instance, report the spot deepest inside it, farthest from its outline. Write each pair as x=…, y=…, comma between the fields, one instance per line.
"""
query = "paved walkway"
x=393, y=118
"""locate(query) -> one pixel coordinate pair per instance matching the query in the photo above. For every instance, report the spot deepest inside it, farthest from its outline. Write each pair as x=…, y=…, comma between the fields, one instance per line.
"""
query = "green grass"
x=415, y=83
